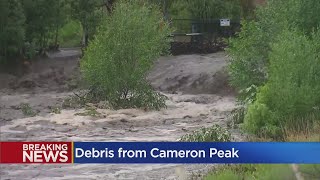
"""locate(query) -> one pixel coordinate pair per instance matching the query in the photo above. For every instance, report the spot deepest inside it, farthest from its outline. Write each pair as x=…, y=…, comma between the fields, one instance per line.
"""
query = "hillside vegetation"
x=275, y=66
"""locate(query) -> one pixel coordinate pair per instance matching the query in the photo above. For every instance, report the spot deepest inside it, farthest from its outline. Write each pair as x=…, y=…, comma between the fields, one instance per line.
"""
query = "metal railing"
x=201, y=36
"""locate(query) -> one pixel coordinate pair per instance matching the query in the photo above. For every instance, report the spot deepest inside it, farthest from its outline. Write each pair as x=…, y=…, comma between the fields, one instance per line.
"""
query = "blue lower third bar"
x=192, y=152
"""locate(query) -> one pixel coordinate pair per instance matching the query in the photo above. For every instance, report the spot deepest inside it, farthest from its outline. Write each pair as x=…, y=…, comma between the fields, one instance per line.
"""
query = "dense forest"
x=32, y=27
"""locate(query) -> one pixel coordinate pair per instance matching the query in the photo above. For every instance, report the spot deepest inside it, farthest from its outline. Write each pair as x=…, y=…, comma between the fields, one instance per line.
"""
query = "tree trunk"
x=85, y=37
x=56, y=38
x=247, y=8
x=109, y=5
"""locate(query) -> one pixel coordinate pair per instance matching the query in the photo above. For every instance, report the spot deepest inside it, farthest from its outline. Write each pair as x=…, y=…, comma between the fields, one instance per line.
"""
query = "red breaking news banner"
x=36, y=152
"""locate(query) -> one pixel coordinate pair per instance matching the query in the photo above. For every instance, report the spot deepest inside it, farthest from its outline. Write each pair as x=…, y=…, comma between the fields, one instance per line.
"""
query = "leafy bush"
x=211, y=134
x=248, y=58
x=275, y=67
x=30, y=50
x=27, y=110
x=116, y=62
x=293, y=90
x=55, y=110
x=260, y=120
x=250, y=50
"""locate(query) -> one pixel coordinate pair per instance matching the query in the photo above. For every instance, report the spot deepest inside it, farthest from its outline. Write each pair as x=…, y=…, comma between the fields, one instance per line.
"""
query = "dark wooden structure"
x=201, y=36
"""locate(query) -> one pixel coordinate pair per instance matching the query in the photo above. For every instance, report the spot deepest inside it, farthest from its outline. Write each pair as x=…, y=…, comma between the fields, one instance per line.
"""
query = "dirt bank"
x=186, y=112
x=52, y=73
x=191, y=74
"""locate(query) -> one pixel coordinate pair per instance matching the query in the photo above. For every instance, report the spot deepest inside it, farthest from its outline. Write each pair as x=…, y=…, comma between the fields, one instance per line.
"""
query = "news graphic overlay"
x=36, y=152
x=160, y=152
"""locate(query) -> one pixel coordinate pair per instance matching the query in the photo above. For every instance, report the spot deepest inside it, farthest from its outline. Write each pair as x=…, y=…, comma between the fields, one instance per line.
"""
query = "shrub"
x=213, y=9
x=250, y=50
x=211, y=134
x=27, y=110
x=261, y=121
x=294, y=74
x=248, y=58
x=117, y=60
x=29, y=50
x=292, y=92
x=55, y=110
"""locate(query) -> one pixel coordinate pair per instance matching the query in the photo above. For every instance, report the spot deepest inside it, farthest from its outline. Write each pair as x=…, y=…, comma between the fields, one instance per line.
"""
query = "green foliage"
x=263, y=171
x=117, y=60
x=266, y=171
x=231, y=172
x=179, y=10
x=247, y=8
x=250, y=51
x=12, y=33
x=225, y=175
x=89, y=14
x=164, y=5
x=293, y=90
x=55, y=110
x=248, y=61
x=43, y=20
x=260, y=120
x=90, y=111
x=250, y=171
x=27, y=110
x=32, y=27
x=30, y=50
x=70, y=34
x=310, y=171
x=213, y=9
x=275, y=66
x=211, y=134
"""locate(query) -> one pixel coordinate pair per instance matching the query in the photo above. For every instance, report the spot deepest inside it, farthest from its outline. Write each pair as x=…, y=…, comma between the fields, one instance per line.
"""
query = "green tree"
x=117, y=60
x=214, y=9
x=164, y=6
x=59, y=19
x=12, y=32
x=291, y=95
x=89, y=14
x=43, y=19
x=250, y=50
x=274, y=65
x=247, y=8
